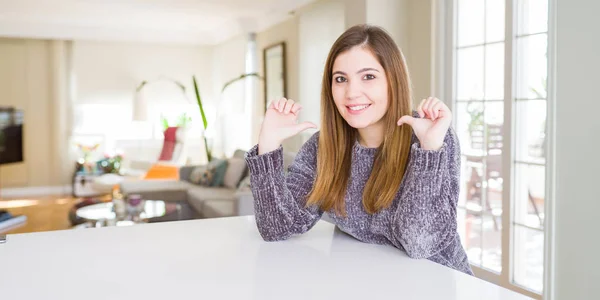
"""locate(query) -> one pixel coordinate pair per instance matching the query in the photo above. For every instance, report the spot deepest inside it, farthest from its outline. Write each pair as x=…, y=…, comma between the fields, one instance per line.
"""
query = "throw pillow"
x=235, y=171
x=245, y=185
x=203, y=175
x=220, y=166
x=288, y=159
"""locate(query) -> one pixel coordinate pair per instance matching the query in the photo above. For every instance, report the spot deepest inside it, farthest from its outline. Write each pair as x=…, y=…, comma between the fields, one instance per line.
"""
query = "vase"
x=134, y=206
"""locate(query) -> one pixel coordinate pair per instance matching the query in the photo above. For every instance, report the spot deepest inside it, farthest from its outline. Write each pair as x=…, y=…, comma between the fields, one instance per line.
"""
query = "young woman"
x=383, y=172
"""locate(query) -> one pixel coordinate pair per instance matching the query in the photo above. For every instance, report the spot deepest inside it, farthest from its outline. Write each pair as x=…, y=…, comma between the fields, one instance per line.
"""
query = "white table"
x=221, y=259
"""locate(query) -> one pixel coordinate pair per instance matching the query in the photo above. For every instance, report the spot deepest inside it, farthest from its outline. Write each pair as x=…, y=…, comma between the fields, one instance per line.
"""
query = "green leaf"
x=199, y=100
x=208, y=151
x=183, y=120
x=142, y=84
x=164, y=121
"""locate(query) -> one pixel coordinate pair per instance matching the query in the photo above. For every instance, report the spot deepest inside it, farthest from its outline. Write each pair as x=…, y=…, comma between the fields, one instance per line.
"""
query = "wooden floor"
x=43, y=213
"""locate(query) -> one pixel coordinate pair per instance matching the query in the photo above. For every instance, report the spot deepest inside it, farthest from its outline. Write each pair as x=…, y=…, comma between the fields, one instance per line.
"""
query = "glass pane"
x=473, y=183
x=530, y=191
x=469, y=119
x=492, y=243
x=528, y=264
x=470, y=74
x=461, y=221
x=494, y=72
x=470, y=22
x=465, y=174
x=532, y=63
x=532, y=16
x=531, y=131
x=494, y=120
x=469, y=229
x=495, y=180
x=494, y=26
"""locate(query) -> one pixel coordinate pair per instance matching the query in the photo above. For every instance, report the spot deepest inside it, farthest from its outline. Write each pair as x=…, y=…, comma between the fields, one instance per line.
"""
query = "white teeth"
x=359, y=107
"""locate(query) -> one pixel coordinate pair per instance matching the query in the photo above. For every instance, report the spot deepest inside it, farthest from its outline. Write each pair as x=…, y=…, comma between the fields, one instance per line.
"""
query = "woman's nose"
x=352, y=91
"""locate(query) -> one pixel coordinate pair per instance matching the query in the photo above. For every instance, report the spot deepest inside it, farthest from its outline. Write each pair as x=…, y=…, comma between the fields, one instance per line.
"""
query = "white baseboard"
x=35, y=191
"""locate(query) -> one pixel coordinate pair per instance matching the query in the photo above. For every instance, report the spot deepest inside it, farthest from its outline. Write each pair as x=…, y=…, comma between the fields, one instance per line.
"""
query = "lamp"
x=140, y=106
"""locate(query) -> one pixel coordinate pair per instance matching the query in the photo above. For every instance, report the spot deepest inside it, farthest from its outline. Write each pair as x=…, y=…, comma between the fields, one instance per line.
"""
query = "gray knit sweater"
x=420, y=221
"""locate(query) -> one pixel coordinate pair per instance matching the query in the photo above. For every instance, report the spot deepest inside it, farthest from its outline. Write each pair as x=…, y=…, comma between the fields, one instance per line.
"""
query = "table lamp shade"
x=140, y=108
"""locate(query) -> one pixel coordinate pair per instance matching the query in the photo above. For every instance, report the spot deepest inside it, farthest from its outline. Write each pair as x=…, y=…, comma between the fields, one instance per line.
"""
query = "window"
x=500, y=107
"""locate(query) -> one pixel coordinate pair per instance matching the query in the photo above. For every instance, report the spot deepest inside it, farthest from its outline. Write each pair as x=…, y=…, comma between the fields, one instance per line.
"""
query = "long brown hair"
x=337, y=138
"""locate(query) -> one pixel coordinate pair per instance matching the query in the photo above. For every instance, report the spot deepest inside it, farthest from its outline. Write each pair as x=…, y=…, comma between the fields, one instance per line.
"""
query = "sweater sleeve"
x=425, y=221
x=279, y=198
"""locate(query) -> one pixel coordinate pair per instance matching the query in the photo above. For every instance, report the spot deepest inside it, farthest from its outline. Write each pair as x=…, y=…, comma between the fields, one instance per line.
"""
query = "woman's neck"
x=371, y=136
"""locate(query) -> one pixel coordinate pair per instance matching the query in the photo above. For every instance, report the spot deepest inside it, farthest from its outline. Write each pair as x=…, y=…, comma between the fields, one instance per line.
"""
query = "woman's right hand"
x=280, y=123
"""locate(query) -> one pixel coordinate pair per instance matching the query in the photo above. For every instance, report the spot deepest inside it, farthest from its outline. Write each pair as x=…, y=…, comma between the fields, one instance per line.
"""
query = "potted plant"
x=476, y=125
x=202, y=113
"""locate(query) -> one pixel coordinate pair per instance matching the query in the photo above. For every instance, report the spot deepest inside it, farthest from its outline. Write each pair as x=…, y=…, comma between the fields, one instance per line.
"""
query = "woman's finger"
x=273, y=104
x=426, y=107
x=276, y=103
x=432, y=102
x=420, y=109
x=296, y=108
x=288, y=106
x=282, y=102
x=436, y=108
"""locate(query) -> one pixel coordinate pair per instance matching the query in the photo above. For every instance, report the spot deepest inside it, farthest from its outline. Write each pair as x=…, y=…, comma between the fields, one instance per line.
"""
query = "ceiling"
x=205, y=22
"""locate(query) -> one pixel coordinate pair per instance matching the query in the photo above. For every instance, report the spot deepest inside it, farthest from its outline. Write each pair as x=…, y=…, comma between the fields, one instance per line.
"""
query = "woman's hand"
x=281, y=123
x=432, y=126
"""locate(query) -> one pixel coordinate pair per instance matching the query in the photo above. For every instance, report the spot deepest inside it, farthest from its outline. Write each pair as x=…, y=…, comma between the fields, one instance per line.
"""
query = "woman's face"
x=359, y=87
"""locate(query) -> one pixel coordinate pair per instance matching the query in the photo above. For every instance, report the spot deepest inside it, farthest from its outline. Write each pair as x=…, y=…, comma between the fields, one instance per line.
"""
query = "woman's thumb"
x=303, y=126
x=406, y=120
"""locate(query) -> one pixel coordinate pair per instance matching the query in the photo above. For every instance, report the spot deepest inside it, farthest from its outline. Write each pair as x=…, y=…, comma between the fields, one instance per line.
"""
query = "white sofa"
x=201, y=201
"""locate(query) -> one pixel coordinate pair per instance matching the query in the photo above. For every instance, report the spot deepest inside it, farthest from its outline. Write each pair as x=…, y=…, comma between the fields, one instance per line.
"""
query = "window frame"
x=444, y=79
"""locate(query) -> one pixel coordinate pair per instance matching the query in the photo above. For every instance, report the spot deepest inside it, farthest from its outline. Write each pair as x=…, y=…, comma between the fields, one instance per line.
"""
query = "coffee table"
x=104, y=214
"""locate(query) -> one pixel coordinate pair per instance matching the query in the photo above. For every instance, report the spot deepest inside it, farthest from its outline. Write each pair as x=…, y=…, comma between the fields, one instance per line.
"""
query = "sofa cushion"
x=196, y=195
x=244, y=185
x=218, y=208
x=239, y=153
x=235, y=170
x=167, y=190
x=288, y=159
x=220, y=168
x=203, y=175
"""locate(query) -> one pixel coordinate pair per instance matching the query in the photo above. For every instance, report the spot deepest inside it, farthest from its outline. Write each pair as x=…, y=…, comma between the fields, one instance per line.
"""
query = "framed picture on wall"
x=275, y=74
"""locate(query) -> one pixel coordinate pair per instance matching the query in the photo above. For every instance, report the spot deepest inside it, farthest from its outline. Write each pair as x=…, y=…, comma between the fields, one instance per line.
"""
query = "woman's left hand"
x=432, y=126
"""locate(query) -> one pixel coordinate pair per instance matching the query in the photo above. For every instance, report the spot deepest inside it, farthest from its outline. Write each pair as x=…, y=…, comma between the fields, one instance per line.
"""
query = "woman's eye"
x=340, y=79
x=368, y=77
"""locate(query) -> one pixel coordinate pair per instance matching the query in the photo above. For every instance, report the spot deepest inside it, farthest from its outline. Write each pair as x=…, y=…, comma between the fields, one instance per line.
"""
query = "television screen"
x=11, y=135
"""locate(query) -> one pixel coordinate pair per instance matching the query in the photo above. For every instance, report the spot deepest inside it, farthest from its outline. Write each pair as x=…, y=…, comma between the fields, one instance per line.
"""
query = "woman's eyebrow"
x=359, y=71
x=367, y=69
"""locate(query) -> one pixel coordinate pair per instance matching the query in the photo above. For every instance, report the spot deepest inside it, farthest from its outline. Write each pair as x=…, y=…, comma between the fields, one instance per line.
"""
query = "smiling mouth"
x=357, y=109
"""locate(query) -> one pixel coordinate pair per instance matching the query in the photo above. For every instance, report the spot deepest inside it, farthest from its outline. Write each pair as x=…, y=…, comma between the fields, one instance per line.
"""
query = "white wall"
x=393, y=16
x=32, y=78
x=287, y=32
x=409, y=22
x=577, y=223
x=106, y=75
x=233, y=126
x=318, y=27
x=419, y=48
x=354, y=12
